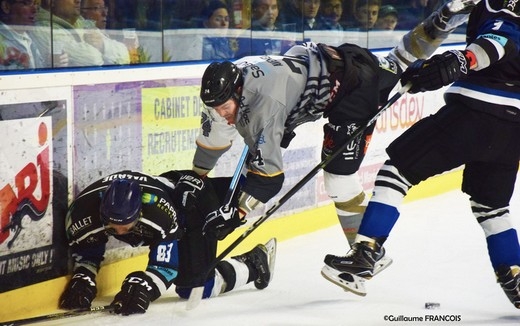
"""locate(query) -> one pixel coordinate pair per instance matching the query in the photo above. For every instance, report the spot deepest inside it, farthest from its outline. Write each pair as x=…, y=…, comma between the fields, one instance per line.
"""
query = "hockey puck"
x=432, y=305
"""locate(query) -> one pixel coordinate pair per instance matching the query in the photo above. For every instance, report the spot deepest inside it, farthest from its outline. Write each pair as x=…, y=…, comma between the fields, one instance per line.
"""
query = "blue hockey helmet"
x=220, y=82
x=121, y=202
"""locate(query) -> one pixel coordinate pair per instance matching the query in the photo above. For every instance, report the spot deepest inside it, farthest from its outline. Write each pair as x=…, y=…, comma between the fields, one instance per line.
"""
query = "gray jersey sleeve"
x=214, y=139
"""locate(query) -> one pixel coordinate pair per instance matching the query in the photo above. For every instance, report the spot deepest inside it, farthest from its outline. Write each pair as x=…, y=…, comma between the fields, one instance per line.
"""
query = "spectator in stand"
x=265, y=18
x=265, y=15
x=387, y=18
x=65, y=34
x=331, y=12
x=310, y=9
x=216, y=16
x=95, y=12
x=365, y=14
x=17, y=50
x=414, y=11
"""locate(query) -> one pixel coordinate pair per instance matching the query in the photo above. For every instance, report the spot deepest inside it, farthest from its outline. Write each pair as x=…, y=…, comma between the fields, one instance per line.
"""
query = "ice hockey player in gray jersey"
x=264, y=98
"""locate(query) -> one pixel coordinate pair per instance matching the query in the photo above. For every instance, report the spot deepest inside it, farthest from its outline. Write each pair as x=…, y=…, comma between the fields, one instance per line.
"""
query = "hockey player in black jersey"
x=478, y=127
x=165, y=213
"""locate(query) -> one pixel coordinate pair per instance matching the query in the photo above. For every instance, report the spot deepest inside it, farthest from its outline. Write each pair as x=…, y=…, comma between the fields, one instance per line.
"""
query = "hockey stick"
x=59, y=315
x=196, y=293
x=306, y=179
x=236, y=176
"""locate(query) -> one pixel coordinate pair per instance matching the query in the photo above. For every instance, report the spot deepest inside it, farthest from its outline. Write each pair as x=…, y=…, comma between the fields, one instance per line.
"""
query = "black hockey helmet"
x=220, y=82
x=121, y=202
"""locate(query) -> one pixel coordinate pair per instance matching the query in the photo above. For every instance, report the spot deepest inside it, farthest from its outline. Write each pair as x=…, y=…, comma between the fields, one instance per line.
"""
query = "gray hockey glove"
x=222, y=222
x=137, y=291
x=436, y=72
x=80, y=291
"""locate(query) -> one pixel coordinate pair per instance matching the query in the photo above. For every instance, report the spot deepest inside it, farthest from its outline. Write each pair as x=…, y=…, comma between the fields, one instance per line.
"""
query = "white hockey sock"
x=229, y=275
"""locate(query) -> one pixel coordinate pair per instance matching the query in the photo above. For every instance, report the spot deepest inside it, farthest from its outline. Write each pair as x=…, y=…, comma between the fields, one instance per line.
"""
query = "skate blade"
x=349, y=282
x=382, y=264
x=271, y=256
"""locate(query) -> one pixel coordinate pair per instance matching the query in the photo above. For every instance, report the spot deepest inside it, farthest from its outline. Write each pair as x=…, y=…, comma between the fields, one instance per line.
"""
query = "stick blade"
x=195, y=298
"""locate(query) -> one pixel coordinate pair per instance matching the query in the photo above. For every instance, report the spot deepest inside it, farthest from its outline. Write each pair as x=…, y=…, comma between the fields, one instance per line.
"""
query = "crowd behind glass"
x=40, y=34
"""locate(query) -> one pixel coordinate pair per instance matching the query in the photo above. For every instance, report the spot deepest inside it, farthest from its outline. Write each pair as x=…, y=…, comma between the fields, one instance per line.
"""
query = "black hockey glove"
x=436, y=72
x=80, y=290
x=222, y=222
x=137, y=291
x=187, y=190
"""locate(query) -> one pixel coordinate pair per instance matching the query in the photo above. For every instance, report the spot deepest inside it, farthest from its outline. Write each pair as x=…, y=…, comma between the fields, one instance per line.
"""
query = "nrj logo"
x=30, y=193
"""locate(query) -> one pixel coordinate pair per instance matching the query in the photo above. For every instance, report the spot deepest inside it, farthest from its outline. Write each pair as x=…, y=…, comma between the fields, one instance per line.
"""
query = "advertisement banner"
x=107, y=130
x=170, y=125
x=33, y=193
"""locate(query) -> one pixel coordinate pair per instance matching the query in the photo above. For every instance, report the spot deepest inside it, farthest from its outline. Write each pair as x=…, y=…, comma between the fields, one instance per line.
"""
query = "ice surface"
x=439, y=255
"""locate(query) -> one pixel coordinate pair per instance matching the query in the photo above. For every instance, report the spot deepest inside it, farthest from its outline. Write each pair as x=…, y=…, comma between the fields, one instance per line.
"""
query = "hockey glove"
x=187, y=190
x=137, y=291
x=80, y=290
x=222, y=222
x=436, y=72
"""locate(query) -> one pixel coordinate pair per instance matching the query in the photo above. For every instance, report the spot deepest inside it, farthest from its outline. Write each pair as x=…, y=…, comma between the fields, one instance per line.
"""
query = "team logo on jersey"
x=205, y=124
x=149, y=199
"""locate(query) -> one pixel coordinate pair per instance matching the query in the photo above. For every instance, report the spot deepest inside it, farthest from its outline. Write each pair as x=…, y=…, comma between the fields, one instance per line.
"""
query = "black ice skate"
x=362, y=262
x=262, y=259
x=509, y=280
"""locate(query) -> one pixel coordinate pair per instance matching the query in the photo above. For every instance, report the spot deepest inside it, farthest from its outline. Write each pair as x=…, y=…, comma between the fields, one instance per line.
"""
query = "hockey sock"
x=349, y=199
x=350, y=225
x=503, y=248
x=501, y=236
x=235, y=274
x=378, y=221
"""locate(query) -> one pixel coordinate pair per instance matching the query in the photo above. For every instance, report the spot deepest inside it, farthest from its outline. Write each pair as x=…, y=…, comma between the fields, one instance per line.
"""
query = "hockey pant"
x=455, y=136
x=198, y=251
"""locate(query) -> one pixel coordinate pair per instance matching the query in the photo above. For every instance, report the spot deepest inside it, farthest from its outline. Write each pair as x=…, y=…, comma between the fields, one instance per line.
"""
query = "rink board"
x=144, y=119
